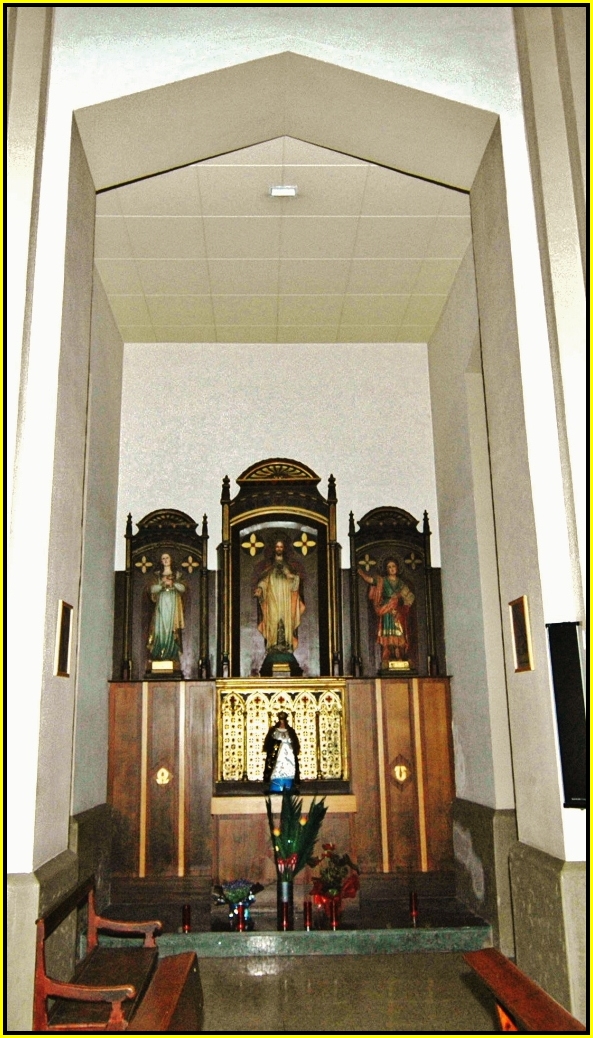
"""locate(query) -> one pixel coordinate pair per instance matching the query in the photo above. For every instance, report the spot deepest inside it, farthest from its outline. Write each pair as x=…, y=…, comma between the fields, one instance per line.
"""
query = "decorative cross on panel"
x=190, y=564
x=413, y=561
x=305, y=544
x=252, y=545
x=144, y=564
x=367, y=562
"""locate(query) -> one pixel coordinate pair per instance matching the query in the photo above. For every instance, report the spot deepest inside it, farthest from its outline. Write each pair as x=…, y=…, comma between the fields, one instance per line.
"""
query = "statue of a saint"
x=391, y=599
x=281, y=747
x=166, y=628
x=279, y=593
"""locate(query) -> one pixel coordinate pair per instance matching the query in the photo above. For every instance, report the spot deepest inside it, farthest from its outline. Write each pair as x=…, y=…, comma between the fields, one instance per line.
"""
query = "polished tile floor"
x=418, y=993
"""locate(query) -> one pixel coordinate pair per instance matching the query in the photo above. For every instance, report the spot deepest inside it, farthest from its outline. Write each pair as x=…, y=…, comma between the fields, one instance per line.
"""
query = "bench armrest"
x=149, y=929
x=87, y=993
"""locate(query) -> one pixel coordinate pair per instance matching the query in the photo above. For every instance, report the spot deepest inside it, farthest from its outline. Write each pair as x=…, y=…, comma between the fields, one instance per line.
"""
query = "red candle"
x=414, y=907
x=307, y=914
x=241, y=918
x=285, y=916
x=186, y=918
x=334, y=913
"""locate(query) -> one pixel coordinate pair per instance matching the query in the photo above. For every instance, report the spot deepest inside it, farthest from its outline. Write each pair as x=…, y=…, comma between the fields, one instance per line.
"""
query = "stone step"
x=323, y=942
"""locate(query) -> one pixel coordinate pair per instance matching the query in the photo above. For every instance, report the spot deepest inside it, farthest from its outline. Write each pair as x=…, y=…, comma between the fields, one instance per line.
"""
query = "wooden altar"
x=186, y=751
x=392, y=813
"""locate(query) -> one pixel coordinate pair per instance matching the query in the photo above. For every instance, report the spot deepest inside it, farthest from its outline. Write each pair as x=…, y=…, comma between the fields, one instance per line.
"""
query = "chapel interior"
x=313, y=448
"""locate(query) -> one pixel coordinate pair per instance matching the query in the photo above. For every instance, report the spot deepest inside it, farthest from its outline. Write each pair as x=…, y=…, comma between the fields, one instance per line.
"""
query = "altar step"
x=270, y=943
x=383, y=904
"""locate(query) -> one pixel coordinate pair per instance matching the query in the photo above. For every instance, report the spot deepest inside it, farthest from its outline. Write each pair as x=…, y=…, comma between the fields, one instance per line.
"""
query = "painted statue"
x=391, y=599
x=281, y=747
x=279, y=594
x=165, y=637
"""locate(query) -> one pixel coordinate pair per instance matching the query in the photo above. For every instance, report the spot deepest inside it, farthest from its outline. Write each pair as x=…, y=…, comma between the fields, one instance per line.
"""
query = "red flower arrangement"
x=337, y=879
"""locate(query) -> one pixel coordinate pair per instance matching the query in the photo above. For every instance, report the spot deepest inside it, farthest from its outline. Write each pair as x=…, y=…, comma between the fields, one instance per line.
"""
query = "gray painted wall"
x=89, y=782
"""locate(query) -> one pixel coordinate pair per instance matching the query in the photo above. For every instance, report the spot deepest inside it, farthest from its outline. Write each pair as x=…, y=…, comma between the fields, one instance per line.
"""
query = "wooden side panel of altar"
x=160, y=777
x=200, y=769
x=363, y=769
x=163, y=775
x=416, y=785
x=439, y=778
x=125, y=737
x=401, y=797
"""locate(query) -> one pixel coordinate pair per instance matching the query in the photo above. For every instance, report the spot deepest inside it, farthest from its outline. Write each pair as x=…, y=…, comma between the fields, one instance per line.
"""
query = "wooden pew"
x=115, y=989
x=520, y=1003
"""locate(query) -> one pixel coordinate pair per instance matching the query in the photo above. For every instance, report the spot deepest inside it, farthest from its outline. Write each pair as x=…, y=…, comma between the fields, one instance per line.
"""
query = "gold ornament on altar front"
x=162, y=777
x=401, y=771
x=144, y=564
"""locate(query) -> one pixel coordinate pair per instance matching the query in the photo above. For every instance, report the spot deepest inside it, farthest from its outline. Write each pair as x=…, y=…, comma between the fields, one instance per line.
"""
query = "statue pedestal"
x=164, y=669
x=280, y=664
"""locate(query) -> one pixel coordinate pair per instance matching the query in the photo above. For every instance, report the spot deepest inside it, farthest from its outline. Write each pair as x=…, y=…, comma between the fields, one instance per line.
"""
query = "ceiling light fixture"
x=283, y=191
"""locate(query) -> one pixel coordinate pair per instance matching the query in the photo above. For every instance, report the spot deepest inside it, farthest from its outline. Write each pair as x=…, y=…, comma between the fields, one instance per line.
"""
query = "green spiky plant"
x=295, y=838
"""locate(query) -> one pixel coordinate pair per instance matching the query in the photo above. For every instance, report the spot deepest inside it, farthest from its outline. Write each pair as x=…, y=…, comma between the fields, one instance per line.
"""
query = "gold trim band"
x=381, y=765
x=143, y=781
x=419, y=776
x=338, y=804
x=181, y=770
x=270, y=509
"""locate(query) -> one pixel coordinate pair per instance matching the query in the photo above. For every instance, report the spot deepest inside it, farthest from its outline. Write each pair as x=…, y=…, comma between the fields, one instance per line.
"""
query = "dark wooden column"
x=335, y=588
x=356, y=658
x=204, y=660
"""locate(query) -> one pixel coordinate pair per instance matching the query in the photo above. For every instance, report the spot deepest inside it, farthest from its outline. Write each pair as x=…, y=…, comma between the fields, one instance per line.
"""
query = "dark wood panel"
x=125, y=730
x=402, y=799
x=200, y=714
x=162, y=799
x=244, y=849
x=364, y=775
x=439, y=784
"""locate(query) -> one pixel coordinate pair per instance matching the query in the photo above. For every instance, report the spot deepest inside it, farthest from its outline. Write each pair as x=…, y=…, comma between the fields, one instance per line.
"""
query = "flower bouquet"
x=337, y=879
x=239, y=892
x=293, y=840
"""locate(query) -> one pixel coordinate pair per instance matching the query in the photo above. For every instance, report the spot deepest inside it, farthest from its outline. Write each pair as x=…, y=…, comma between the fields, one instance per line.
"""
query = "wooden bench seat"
x=115, y=989
x=521, y=1004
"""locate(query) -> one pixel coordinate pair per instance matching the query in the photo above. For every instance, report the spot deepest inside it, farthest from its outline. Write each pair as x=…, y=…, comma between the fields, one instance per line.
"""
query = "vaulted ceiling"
x=205, y=254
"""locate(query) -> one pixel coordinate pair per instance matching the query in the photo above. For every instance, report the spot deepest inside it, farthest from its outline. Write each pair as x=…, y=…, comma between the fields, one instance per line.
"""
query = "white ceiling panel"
x=245, y=309
x=310, y=238
x=404, y=237
x=171, y=237
x=204, y=253
x=120, y=277
x=383, y=276
x=171, y=194
x=376, y=309
x=187, y=309
x=242, y=237
x=184, y=333
x=313, y=309
x=130, y=309
x=173, y=276
x=247, y=276
x=313, y=276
